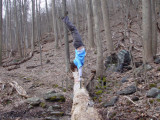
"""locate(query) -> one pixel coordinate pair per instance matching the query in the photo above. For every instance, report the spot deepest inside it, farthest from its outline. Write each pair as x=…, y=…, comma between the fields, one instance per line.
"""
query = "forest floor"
x=52, y=76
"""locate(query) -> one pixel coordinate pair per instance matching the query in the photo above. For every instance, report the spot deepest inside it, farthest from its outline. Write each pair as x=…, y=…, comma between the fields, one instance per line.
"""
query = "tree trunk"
x=90, y=23
x=55, y=24
x=48, y=20
x=154, y=29
x=66, y=40
x=38, y=29
x=1, y=32
x=33, y=25
x=17, y=29
x=77, y=14
x=147, y=30
x=83, y=106
x=108, y=35
x=99, y=63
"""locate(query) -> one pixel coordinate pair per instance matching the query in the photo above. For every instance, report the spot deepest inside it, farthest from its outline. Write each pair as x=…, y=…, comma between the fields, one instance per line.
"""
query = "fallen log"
x=14, y=67
x=82, y=107
x=20, y=62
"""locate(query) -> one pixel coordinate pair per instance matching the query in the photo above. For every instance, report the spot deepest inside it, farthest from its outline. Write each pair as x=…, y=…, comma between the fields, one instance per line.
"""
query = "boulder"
x=124, y=79
x=34, y=101
x=135, y=98
x=157, y=60
x=111, y=102
x=127, y=91
x=153, y=92
x=54, y=97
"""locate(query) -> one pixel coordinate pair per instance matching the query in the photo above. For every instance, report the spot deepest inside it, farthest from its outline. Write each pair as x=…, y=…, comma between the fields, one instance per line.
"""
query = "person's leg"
x=80, y=73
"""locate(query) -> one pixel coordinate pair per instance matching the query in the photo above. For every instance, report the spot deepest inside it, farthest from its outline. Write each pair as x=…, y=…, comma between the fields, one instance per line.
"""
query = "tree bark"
x=108, y=35
x=55, y=24
x=90, y=23
x=1, y=32
x=147, y=30
x=99, y=62
x=33, y=25
x=17, y=29
x=77, y=14
x=154, y=29
x=67, y=60
x=83, y=106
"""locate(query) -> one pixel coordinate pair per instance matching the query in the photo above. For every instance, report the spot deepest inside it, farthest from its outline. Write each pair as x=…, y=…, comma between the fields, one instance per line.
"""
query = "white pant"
x=80, y=73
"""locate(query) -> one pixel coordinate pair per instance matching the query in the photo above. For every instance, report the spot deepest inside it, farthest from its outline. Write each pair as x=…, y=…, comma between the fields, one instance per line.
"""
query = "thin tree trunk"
x=38, y=24
x=1, y=32
x=55, y=24
x=106, y=22
x=99, y=63
x=147, y=30
x=66, y=39
x=33, y=25
x=48, y=20
x=17, y=29
x=154, y=29
x=90, y=23
x=77, y=14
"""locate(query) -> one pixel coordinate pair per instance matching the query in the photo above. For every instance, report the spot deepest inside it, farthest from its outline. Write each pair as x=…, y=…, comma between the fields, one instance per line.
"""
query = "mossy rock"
x=43, y=105
x=64, y=90
x=57, y=113
x=54, y=97
x=99, y=92
x=113, y=115
x=152, y=85
x=151, y=101
x=54, y=85
x=158, y=100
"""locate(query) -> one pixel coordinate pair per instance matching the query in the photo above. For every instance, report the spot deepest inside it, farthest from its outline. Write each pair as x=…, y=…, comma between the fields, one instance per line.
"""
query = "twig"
x=131, y=100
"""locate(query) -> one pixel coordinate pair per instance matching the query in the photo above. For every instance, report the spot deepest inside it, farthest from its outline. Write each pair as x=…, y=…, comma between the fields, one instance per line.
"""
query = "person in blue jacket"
x=80, y=52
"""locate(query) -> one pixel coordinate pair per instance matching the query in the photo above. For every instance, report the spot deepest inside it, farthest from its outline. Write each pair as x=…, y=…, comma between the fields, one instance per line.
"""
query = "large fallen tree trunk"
x=82, y=107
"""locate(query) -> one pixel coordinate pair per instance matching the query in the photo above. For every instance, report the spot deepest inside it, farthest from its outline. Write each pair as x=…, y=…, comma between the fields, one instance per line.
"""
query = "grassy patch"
x=99, y=92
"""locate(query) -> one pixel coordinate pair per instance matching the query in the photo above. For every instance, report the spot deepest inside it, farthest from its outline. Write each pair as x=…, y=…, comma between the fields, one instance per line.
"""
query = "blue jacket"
x=79, y=58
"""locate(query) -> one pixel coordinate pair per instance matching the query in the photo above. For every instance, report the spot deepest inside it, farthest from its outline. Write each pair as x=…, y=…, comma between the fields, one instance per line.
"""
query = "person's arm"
x=70, y=26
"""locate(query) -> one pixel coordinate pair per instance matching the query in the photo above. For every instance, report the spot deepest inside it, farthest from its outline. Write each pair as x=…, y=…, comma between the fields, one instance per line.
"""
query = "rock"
x=48, y=61
x=123, y=60
x=153, y=92
x=139, y=70
x=158, y=85
x=138, y=64
x=56, y=107
x=157, y=60
x=51, y=118
x=127, y=91
x=111, y=102
x=112, y=59
x=157, y=108
x=50, y=109
x=135, y=98
x=34, y=101
x=57, y=113
x=158, y=96
x=124, y=79
x=54, y=97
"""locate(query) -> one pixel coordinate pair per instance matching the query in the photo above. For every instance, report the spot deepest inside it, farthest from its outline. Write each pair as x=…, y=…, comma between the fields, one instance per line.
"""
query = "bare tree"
x=77, y=14
x=107, y=25
x=99, y=63
x=154, y=28
x=33, y=25
x=1, y=32
x=147, y=30
x=66, y=39
x=17, y=29
x=55, y=24
x=90, y=23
